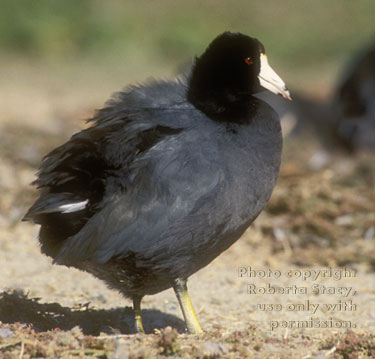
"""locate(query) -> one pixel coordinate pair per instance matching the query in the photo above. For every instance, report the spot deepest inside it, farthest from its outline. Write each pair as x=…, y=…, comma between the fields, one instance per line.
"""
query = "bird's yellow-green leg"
x=191, y=319
x=137, y=315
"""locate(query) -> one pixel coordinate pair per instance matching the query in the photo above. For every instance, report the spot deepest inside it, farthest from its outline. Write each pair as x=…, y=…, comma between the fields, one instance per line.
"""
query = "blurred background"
x=58, y=57
x=61, y=60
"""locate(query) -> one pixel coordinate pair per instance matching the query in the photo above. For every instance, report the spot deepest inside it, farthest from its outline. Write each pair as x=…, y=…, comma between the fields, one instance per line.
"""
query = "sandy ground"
x=318, y=223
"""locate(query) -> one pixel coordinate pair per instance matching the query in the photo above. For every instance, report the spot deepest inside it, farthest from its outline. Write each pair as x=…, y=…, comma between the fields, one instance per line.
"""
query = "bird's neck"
x=224, y=106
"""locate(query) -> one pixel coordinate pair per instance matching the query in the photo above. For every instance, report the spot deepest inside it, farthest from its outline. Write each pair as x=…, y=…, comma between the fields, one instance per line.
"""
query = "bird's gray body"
x=186, y=199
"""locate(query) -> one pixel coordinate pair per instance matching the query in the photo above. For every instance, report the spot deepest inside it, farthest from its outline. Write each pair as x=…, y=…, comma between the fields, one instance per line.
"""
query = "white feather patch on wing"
x=71, y=207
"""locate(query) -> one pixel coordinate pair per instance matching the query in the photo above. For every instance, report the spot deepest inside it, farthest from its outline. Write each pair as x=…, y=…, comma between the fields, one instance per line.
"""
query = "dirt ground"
x=318, y=225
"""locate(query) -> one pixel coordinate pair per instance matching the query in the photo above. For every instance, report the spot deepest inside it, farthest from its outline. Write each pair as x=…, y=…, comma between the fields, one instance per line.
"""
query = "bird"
x=168, y=176
x=353, y=103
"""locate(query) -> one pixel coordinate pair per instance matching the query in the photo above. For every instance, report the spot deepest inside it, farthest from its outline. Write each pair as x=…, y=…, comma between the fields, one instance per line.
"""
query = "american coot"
x=354, y=106
x=169, y=175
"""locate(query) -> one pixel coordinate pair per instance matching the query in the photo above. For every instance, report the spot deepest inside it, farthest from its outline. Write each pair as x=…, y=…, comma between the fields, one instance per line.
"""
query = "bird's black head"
x=229, y=72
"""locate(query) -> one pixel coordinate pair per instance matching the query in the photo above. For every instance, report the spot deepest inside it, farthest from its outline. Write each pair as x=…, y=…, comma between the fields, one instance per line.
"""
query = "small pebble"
x=6, y=333
x=211, y=350
x=345, y=220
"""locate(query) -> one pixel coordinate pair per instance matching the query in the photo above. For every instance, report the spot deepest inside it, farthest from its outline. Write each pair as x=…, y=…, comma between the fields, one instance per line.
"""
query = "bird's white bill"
x=270, y=80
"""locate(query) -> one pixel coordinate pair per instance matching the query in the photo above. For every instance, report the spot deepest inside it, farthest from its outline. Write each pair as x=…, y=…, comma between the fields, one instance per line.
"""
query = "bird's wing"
x=174, y=180
x=76, y=177
x=72, y=176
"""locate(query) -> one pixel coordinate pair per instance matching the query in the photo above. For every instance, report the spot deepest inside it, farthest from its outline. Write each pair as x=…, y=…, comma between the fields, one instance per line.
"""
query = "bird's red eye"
x=248, y=60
